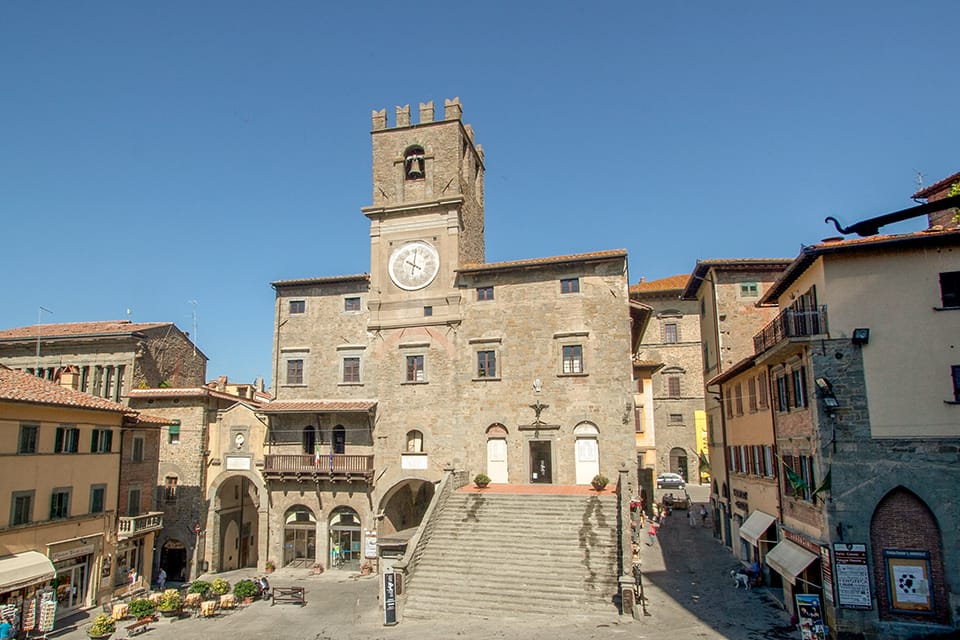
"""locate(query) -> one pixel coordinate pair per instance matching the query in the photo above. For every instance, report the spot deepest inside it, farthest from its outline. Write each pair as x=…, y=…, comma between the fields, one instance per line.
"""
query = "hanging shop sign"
x=370, y=544
x=826, y=573
x=69, y=554
x=853, y=576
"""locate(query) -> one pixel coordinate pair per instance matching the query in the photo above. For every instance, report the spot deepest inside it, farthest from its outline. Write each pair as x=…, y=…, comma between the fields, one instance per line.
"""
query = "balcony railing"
x=301, y=467
x=130, y=526
x=791, y=324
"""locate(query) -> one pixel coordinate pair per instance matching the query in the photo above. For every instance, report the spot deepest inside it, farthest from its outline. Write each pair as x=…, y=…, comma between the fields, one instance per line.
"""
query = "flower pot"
x=248, y=600
x=482, y=485
x=169, y=613
x=101, y=636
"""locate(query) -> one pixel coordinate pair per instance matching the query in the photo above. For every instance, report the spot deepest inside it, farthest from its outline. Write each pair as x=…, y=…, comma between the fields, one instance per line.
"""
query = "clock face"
x=414, y=265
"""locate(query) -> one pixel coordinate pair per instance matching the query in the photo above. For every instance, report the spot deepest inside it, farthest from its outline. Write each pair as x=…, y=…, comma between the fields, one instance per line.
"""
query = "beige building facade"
x=438, y=360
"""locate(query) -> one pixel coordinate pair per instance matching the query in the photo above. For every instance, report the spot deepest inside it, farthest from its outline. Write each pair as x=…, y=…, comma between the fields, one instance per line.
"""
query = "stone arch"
x=346, y=538
x=903, y=522
x=586, y=451
x=174, y=560
x=240, y=497
x=299, y=536
x=497, y=455
x=679, y=462
x=497, y=430
x=404, y=504
x=413, y=162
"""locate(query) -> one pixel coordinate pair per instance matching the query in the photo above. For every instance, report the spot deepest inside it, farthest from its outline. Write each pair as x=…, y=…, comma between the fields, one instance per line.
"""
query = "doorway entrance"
x=541, y=462
x=71, y=586
x=678, y=462
x=587, y=452
x=299, y=537
x=345, y=539
x=173, y=557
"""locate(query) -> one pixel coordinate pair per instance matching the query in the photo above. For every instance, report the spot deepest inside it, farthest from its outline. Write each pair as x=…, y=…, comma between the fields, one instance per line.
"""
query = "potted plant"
x=600, y=482
x=246, y=590
x=141, y=608
x=269, y=566
x=317, y=568
x=366, y=568
x=170, y=603
x=481, y=480
x=103, y=625
x=220, y=586
x=200, y=586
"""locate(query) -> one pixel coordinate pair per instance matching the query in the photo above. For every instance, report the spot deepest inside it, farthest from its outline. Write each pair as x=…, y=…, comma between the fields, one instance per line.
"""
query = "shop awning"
x=789, y=560
x=25, y=569
x=755, y=526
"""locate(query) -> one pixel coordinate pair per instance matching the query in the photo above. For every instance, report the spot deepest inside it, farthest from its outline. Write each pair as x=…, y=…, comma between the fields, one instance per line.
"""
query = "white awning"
x=755, y=526
x=25, y=569
x=789, y=560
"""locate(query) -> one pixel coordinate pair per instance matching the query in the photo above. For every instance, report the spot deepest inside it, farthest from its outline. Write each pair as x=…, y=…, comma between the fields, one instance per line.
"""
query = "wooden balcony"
x=307, y=468
x=132, y=526
x=791, y=324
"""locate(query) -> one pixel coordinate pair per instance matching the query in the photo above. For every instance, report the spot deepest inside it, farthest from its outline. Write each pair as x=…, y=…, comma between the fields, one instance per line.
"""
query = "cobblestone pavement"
x=686, y=580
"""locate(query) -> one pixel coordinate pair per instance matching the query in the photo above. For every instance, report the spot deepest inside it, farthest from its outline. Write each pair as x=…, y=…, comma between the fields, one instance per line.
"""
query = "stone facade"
x=520, y=370
x=672, y=338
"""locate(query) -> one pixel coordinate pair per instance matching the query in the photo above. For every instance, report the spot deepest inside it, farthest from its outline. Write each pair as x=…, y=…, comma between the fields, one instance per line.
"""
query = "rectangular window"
x=170, y=489
x=762, y=390
x=570, y=285
x=21, y=508
x=60, y=504
x=638, y=419
x=484, y=293
x=427, y=312
x=173, y=434
x=415, y=371
x=742, y=450
x=298, y=306
x=768, y=461
x=133, y=501
x=486, y=364
x=675, y=418
x=729, y=402
x=66, y=439
x=955, y=372
x=799, y=379
x=572, y=358
x=673, y=386
x=28, y=438
x=756, y=460
x=136, y=453
x=752, y=394
x=351, y=304
x=738, y=396
x=749, y=290
x=295, y=371
x=950, y=289
x=351, y=369
x=732, y=459
x=670, y=334
x=783, y=398
x=101, y=441
x=98, y=498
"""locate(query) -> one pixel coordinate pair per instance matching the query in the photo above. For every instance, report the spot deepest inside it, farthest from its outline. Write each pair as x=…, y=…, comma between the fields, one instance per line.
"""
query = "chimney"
x=70, y=378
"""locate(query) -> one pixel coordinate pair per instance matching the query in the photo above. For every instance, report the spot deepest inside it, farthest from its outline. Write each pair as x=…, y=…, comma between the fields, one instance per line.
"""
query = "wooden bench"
x=139, y=626
x=288, y=594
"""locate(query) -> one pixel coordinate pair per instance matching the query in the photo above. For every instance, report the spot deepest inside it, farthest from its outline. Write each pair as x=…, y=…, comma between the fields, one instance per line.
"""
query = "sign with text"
x=389, y=599
x=810, y=617
x=853, y=576
x=826, y=573
x=908, y=580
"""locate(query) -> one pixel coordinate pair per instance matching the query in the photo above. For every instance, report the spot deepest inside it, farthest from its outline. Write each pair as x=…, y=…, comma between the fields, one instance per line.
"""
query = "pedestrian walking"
x=652, y=533
x=6, y=629
x=703, y=514
x=162, y=579
x=691, y=517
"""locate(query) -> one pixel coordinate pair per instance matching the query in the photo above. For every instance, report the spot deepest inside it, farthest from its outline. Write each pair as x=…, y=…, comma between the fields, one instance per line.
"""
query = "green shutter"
x=174, y=429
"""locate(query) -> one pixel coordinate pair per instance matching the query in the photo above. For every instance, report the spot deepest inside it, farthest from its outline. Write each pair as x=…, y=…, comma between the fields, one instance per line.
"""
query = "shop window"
x=66, y=439
x=60, y=504
x=21, y=507
x=28, y=438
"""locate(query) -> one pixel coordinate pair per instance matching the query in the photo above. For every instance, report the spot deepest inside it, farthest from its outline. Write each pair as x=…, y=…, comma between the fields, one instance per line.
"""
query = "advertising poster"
x=908, y=580
x=810, y=617
x=853, y=576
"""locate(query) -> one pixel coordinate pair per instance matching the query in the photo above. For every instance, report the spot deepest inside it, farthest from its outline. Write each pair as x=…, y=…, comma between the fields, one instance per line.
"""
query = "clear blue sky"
x=155, y=153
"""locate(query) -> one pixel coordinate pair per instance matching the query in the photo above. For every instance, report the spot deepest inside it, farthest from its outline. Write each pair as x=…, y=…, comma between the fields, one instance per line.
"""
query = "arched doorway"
x=587, y=452
x=299, y=537
x=497, y=467
x=173, y=558
x=908, y=564
x=404, y=506
x=678, y=462
x=309, y=439
x=346, y=539
x=238, y=523
x=339, y=439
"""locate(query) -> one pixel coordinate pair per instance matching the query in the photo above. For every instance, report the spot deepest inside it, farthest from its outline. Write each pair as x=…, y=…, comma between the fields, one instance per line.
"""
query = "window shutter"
x=58, y=441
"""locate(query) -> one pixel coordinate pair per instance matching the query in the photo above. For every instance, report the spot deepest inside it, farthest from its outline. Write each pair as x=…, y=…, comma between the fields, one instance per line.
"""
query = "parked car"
x=670, y=481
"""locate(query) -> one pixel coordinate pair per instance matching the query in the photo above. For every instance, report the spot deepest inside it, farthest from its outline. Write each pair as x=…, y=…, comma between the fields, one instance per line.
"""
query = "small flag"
x=825, y=485
x=799, y=484
x=316, y=455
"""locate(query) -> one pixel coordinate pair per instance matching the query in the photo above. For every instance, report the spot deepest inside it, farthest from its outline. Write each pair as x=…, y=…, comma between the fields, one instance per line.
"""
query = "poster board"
x=908, y=580
x=810, y=617
x=853, y=576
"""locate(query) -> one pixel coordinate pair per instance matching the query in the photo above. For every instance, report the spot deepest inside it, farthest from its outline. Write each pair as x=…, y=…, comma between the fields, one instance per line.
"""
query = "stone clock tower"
x=426, y=220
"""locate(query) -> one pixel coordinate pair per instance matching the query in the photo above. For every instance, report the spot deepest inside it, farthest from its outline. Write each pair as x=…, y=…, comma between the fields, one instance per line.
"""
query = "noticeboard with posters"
x=908, y=580
x=810, y=617
x=853, y=576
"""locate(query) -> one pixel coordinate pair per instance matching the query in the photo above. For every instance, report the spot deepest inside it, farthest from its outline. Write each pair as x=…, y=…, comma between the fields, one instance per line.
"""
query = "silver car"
x=670, y=481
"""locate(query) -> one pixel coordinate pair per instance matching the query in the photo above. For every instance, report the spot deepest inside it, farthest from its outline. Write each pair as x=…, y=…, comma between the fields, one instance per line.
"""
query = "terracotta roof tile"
x=312, y=406
x=186, y=392
x=536, y=262
x=670, y=283
x=147, y=420
x=926, y=192
x=76, y=329
x=362, y=277
x=17, y=386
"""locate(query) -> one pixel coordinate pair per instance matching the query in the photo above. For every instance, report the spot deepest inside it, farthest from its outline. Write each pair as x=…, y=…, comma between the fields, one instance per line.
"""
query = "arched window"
x=414, y=441
x=309, y=439
x=413, y=163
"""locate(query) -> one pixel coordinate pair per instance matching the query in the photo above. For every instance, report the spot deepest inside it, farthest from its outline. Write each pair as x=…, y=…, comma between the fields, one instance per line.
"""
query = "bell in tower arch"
x=413, y=163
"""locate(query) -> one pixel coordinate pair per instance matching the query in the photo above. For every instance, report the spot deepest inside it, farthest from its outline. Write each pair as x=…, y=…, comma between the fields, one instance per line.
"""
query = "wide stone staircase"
x=504, y=554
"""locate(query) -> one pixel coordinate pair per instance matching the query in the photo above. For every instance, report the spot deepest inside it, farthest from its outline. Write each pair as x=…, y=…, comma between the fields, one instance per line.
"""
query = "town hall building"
x=437, y=360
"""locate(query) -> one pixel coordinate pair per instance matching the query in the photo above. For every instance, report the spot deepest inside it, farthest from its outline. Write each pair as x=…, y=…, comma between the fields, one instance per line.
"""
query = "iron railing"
x=791, y=324
x=337, y=466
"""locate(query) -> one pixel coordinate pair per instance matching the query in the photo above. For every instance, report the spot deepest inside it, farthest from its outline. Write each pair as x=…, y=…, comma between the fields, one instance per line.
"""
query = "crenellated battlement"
x=452, y=110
